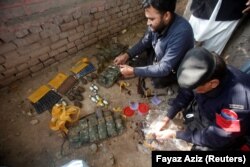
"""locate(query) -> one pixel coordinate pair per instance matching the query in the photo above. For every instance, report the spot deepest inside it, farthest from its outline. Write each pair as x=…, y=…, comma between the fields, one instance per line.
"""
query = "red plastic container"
x=128, y=112
x=143, y=108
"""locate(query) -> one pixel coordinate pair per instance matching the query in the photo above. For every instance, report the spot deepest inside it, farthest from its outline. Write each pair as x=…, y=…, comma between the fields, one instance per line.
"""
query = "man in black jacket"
x=216, y=99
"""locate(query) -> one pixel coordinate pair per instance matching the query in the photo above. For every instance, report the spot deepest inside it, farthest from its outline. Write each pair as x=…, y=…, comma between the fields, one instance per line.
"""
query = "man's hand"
x=247, y=9
x=159, y=125
x=121, y=59
x=127, y=71
x=165, y=134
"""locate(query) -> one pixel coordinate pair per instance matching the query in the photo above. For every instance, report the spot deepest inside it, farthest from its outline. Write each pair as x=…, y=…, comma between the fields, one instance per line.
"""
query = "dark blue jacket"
x=170, y=47
x=233, y=93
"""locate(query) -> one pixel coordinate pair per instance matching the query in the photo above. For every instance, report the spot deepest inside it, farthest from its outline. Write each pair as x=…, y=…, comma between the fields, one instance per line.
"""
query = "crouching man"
x=215, y=98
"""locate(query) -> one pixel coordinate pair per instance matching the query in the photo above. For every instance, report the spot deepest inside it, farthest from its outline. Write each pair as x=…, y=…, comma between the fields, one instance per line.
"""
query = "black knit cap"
x=196, y=68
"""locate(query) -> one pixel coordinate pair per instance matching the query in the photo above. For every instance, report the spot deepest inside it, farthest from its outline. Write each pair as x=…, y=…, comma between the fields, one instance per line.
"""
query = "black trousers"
x=147, y=58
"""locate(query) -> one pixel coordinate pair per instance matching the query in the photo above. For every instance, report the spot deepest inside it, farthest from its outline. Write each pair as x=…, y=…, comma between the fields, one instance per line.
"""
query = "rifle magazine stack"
x=82, y=68
x=44, y=99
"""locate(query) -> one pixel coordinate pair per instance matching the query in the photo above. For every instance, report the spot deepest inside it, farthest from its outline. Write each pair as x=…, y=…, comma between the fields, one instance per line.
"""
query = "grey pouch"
x=84, y=133
x=102, y=128
x=111, y=128
x=93, y=129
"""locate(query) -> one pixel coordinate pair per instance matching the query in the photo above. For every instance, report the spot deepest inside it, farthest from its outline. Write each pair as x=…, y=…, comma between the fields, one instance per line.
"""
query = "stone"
x=93, y=148
x=34, y=122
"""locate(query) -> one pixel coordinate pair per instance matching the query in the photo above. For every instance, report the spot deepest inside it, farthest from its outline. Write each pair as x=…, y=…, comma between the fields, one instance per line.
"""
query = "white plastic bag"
x=76, y=163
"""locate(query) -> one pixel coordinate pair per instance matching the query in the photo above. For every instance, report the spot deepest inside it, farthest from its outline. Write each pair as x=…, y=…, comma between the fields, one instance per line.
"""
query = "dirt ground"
x=26, y=139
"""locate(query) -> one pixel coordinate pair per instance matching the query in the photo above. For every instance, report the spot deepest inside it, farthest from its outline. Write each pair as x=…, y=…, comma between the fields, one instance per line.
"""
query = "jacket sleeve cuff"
x=131, y=53
x=184, y=135
x=172, y=112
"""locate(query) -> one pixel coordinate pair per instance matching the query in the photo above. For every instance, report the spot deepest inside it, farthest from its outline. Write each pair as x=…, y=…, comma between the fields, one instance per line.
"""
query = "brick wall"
x=35, y=34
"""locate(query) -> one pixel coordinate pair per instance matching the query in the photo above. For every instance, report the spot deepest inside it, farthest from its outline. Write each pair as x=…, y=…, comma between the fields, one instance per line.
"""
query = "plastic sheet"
x=149, y=128
x=76, y=163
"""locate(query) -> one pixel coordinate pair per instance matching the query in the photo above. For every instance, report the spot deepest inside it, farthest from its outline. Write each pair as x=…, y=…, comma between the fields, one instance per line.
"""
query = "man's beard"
x=160, y=27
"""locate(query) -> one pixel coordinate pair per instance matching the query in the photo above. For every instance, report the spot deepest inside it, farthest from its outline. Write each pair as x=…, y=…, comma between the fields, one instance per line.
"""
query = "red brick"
x=45, y=42
x=54, y=38
x=61, y=56
x=9, y=72
x=11, y=55
x=99, y=15
x=75, y=37
x=91, y=36
x=100, y=21
x=44, y=57
x=36, y=68
x=59, y=44
x=22, y=67
x=68, y=26
x=28, y=49
x=80, y=28
x=91, y=41
x=66, y=34
x=39, y=52
x=49, y=30
x=79, y=41
x=67, y=18
x=72, y=50
x=93, y=10
x=102, y=26
x=130, y=10
x=58, y=20
x=94, y=23
x=16, y=61
x=53, y=53
x=81, y=46
x=23, y=74
x=22, y=33
x=71, y=45
x=49, y=62
x=62, y=49
x=84, y=19
x=7, y=47
x=114, y=10
x=84, y=39
x=63, y=35
x=27, y=40
x=33, y=61
x=35, y=29
x=90, y=30
x=88, y=25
